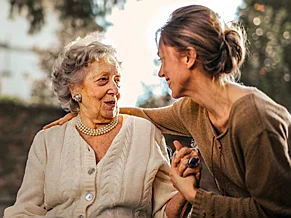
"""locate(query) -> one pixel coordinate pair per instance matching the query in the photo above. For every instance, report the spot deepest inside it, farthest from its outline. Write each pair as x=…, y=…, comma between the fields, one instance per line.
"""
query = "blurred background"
x=33, y=32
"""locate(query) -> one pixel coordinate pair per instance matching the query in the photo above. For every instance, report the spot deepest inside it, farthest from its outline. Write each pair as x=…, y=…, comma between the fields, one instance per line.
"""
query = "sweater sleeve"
x=30, y=197
x=163, y=190
x=167, y=119
x=268, y=179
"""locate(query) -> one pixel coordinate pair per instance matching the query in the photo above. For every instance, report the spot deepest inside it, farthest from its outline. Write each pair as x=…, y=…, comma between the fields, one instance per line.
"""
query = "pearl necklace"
x=95, y=132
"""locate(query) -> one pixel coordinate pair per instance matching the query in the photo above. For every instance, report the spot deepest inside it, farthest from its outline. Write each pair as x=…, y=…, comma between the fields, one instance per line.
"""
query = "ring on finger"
x=193, y=162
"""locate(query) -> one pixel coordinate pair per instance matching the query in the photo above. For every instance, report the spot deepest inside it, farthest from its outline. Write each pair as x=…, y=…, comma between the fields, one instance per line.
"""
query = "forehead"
x=102, y=66
x=165, y=50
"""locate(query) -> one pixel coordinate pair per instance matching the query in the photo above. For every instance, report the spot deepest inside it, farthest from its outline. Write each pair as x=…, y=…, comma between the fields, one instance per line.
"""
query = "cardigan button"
x=89, y=197
x=91, y=170
x=81, y=216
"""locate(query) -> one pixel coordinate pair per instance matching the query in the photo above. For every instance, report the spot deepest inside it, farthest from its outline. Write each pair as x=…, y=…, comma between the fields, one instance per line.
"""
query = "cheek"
x=94, y=93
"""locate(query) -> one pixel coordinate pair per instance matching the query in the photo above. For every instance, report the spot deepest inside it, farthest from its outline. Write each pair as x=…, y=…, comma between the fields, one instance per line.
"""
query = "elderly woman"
x=99, y=164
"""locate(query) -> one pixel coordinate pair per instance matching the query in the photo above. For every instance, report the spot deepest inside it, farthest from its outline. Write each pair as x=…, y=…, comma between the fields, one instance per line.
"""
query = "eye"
x=102, y=80
x=118, y=82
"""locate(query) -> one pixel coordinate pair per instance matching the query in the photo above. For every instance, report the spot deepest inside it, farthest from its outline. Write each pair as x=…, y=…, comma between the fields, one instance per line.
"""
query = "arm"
x=180, y=204
x=268, y=180
x=166, y=200
x=184, y=179
x=30, y=197
x=61, y=121
x=167, y=119
x=163, y=190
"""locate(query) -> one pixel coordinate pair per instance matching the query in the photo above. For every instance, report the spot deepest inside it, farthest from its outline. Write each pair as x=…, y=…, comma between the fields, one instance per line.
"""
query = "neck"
x=95, y=131
x=94, y=121
x=216, y=99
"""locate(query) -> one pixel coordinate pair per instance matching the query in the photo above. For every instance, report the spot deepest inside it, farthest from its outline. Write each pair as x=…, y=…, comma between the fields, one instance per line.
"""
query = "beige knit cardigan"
x=61, y=177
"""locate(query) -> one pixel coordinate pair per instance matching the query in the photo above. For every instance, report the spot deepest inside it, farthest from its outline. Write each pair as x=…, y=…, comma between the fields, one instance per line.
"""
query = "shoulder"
x=54, y=134
x=139, y=121
x=142, y=126
x=259, y=112
x=59, y=129
x=184, y=103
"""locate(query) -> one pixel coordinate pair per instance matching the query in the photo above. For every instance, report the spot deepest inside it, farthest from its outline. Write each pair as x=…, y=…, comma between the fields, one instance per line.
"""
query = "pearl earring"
x=77, y=97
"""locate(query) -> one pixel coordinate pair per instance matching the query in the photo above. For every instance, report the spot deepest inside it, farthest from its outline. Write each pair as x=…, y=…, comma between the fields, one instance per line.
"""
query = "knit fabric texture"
x=62, y=179
x=250, y=161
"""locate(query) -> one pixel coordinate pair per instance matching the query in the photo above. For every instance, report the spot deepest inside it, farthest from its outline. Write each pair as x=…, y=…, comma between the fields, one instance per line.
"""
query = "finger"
x=182, y=153
x=192, y=171
x=174, y=164
x=61, y=121
x=198, y=176
x=177, y=145
x=57, y=122
x=182, y=166
x=194, y=153
x=69, y=116
x=177, y=161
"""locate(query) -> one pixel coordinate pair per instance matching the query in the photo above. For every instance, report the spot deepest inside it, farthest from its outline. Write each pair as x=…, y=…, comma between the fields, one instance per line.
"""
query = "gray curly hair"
x=70, y=66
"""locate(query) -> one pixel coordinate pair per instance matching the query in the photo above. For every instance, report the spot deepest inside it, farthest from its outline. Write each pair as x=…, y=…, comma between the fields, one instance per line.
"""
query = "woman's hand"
x=181, y=158
x=61, y=121
x=185, y=185
x=185, y=179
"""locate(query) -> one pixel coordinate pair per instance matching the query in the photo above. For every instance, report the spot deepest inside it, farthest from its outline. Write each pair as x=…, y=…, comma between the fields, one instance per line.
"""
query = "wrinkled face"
x=100, y=91
x=173, y=69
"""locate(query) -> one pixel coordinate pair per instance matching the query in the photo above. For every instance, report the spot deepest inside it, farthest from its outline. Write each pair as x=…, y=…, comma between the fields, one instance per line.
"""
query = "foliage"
x=42, y=93
x=151, y=100
x=78, y=13
x=268, y=25
x=7, y=98
x=77, y=18
x=20, y=123
x=267, y=22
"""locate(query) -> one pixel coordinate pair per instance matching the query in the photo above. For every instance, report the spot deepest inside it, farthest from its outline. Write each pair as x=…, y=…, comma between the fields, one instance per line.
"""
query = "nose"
x=161, y=73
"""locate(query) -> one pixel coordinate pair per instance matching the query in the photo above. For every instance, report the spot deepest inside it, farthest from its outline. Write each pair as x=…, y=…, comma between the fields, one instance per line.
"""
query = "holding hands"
x=186, y=171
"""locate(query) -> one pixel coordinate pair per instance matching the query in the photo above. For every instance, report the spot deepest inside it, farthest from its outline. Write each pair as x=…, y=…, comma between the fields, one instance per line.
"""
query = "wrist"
x=191, y=195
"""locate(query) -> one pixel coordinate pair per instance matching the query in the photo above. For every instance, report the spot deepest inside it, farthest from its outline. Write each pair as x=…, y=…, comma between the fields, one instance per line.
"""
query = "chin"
x=175, y=95
x=111, y=115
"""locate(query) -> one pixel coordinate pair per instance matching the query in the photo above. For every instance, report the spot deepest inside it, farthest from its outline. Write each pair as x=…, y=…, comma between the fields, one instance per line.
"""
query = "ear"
x=190, y=57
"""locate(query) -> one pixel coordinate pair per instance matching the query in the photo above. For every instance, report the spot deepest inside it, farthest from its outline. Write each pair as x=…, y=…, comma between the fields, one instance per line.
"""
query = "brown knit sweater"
x=251, y=160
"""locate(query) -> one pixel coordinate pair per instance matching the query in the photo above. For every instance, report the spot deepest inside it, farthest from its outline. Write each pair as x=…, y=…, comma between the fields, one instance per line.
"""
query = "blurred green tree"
x=74, y=13
x=268, y=65
x=77, y=18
